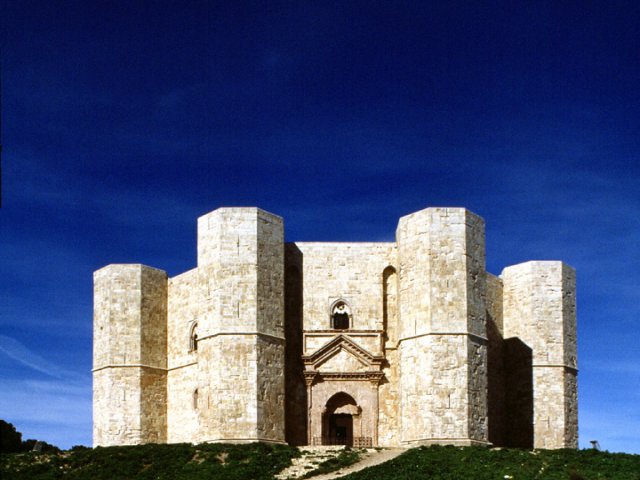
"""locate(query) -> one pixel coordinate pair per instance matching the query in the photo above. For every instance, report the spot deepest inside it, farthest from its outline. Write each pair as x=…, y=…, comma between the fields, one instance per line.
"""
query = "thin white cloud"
x=41, y=187
x=56, y=411
x=17, y=351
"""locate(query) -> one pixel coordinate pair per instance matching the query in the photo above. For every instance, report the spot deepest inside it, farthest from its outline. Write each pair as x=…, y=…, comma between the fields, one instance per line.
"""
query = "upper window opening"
x=193, y=337
x=340, y=316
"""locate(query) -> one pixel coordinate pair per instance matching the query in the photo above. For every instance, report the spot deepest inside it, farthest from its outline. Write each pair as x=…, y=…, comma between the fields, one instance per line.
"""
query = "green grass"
x=476, y=463
x=147, y=462
x=263, y=461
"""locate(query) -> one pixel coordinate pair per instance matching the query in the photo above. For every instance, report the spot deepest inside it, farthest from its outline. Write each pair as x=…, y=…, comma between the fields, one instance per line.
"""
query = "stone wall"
x=129, y=359
x=360, y=275
x=389, y=389
x=117, y=413
x=295, y=389
x=184, y=400
x=270, y=390
x=352, y=272
x=228, y=378
x=184, y=393
x=442, y=327
x=184, y=309
x=539, y=309
x=365, y=395
x=496, y=406
x=478, y=390
x=436, y=351
x=241, y=327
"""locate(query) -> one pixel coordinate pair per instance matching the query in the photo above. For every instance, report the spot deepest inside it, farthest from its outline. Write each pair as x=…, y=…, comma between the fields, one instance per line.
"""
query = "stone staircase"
x=312, y=456
x=309, y=460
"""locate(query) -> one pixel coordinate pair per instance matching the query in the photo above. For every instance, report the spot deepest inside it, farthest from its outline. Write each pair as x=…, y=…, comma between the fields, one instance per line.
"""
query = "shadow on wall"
x=296, y=391
x=510, y=389
x=495, y=384
x=509, y=365
x=518, y=366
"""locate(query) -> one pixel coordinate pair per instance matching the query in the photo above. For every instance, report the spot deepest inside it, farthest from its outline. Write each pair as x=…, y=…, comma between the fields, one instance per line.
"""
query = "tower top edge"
x=241, y=211
x=443, y=212
x=538, y=265
x=120, y=267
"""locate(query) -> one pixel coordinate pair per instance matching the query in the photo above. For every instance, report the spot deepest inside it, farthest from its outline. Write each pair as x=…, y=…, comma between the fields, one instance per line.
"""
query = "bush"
x=262, y=461
x=79, y=448
x=32, y=445
x=10, y=438
x=146, y=462
x=478, y=463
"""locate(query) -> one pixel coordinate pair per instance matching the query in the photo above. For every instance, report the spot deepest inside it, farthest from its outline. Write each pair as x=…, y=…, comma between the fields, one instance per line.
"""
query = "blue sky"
x=124, y=121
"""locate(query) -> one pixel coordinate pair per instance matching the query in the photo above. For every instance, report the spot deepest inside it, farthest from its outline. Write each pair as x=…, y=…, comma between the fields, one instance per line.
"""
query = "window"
x=340, y=316
x=193, y=337
x=390, y=305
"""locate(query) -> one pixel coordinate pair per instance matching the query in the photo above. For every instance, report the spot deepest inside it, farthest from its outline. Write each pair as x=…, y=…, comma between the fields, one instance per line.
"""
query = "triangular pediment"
x=342, y=354
x=342, y=360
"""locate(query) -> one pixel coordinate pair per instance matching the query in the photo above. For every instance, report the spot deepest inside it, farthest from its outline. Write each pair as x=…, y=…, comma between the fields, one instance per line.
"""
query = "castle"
x=367, y=344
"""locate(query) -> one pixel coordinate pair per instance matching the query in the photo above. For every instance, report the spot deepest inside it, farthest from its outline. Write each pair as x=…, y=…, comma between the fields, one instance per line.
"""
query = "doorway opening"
x=338, y=420
x=341, y=429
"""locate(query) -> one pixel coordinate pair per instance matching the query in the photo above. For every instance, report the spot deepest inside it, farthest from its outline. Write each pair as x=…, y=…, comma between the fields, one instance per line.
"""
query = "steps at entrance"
x=312, y=456
x=309, y=459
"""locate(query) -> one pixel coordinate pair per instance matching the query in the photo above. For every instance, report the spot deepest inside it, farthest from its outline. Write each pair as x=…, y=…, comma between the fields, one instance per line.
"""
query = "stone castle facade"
x=368, y=344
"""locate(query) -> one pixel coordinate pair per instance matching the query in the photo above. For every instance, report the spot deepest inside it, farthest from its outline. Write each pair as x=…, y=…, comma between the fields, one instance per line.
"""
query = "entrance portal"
x=339, y=420
x=340, y=429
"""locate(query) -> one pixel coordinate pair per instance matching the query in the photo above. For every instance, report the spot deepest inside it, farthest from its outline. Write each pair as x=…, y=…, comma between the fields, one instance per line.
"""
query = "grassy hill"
x=476, y=463
x=152, y=462
x=260, y=461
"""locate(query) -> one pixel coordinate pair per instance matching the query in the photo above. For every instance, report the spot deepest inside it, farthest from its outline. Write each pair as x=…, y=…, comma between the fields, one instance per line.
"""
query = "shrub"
x=10, y=438
x=263, y=461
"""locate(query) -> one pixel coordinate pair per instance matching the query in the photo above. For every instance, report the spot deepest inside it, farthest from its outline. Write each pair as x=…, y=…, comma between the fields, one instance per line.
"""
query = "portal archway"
x=341, y=417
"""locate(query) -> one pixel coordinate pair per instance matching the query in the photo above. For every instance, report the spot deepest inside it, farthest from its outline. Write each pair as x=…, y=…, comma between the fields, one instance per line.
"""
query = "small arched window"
x=195, y=399
x=193, y=337
x=390, y=305
x=340, y=316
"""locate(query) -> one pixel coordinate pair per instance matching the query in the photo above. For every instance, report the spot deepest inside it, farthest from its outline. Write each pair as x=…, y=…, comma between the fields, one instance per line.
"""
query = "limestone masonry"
x=366, y=344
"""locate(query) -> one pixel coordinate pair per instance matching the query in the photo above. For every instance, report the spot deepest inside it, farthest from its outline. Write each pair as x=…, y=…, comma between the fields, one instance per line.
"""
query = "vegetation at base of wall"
x=263, y=461
x=146, y=462
x=345, y=458
x=478, y=463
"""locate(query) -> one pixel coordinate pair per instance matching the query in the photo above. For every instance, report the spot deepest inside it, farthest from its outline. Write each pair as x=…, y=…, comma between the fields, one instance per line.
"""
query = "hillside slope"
x=262, y=462
x=476, y=463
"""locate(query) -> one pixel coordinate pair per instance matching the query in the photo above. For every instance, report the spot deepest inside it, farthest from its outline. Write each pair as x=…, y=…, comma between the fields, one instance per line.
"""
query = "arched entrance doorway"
x=340, y=429
x=340, y=419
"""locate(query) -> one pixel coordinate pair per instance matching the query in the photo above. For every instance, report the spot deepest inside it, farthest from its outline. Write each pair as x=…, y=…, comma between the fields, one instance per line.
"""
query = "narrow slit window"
x=193, y=337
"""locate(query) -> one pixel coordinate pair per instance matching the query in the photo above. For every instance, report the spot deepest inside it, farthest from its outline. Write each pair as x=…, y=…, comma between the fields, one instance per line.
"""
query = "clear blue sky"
x=124, y=121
